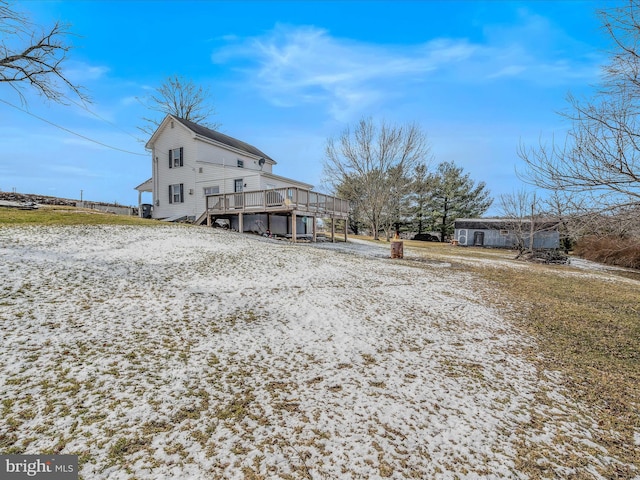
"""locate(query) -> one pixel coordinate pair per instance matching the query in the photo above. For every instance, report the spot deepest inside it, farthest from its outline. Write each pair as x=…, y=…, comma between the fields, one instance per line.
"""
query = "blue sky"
x=477, y=77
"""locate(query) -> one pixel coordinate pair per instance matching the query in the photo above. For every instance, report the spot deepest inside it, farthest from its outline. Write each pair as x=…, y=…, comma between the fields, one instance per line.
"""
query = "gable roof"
x=222, y=138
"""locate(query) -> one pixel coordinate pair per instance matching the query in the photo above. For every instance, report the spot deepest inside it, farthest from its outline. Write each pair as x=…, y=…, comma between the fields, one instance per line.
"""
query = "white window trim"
x=176, y=193
x=176, y=157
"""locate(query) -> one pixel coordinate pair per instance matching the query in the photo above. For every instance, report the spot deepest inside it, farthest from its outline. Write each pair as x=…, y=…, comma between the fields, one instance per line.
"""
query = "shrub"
x=623, y=252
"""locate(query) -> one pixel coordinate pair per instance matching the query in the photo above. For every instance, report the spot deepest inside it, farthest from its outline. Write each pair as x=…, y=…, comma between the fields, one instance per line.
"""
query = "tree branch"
x=34, y=58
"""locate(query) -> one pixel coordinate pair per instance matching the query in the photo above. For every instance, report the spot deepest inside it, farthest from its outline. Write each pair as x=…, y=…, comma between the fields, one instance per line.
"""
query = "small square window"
x=240, y=163
x=504, y=232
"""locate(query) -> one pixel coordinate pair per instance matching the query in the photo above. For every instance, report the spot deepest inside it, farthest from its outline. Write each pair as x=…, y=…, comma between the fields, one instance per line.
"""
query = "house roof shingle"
x=222, y=138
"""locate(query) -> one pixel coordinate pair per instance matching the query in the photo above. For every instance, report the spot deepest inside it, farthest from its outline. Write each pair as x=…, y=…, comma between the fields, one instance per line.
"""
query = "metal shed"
x=501, y=233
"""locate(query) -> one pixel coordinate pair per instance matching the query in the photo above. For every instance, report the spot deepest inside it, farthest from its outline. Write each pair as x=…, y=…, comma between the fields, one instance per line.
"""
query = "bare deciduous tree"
x=573, y=213
x=600, y=157
x=520, y=210
x=371, y=163
x=184, y=99
x=30, y=55
x=396, y=210
x=559, y=210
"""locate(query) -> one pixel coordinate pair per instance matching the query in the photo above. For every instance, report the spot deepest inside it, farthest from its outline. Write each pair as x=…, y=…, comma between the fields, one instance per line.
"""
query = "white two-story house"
x=199, y=174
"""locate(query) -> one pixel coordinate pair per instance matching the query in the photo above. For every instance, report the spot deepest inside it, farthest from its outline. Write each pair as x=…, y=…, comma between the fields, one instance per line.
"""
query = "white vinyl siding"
x=203, y=166
x=167, y=145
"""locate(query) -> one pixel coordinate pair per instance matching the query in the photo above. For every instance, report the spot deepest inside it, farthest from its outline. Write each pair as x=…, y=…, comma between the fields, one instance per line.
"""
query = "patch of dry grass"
x=63, y=215
x=587, y=327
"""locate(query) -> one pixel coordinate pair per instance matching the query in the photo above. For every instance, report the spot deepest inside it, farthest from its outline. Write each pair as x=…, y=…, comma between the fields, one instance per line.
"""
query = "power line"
x=72, y=132
x=85, y=108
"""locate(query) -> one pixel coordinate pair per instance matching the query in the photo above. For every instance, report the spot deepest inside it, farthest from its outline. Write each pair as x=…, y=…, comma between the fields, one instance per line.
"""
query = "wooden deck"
x=289, y=201
x=298, y=200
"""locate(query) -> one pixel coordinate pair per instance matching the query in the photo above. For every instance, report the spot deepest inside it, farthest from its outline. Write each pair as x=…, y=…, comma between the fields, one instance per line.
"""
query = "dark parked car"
x=426, y=237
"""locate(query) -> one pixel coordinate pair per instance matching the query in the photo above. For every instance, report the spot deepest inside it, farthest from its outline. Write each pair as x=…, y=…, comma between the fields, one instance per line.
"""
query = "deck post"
x=208, y=219
x=333, y=229
x=240, y=223
x=293, y=226
x=313, y=229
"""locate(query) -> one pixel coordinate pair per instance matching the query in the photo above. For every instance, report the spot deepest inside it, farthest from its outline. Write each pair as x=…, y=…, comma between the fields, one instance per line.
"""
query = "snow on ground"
x=182, y=352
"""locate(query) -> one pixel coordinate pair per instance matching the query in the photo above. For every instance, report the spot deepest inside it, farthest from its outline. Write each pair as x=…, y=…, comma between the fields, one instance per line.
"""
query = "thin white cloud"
x=82, y=72
x=297, y=65
x=533, y=49
x=129, y=100
x=508, y=71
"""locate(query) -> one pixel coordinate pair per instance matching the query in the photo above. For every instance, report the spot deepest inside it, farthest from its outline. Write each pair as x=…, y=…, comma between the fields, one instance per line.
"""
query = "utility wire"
x=71, y=131
x=85, y=108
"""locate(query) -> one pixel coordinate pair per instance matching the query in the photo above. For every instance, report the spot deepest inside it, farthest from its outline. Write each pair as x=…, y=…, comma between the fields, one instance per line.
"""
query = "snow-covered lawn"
x=182, y=352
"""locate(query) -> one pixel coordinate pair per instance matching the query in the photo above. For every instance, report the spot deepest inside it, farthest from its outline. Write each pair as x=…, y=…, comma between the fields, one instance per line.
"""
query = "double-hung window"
x=176, y=157
x=176, y=193
x=240, y=163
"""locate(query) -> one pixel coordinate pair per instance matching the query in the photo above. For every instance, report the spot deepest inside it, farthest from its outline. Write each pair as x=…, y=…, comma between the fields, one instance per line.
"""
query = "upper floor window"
x=211, y=190
x=240, y=163
x=176, y=157
x=176, y=193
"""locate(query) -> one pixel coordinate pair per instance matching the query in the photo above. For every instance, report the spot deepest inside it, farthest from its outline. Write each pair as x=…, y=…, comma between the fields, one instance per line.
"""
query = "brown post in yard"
x=346, y=227
x=333, y=229
x=397, y=250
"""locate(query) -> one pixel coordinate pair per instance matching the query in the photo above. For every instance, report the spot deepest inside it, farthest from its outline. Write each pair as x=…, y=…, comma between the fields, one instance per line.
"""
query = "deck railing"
x=277, y=199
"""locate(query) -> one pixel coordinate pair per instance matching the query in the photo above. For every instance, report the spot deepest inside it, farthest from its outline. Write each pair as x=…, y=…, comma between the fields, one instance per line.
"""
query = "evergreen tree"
x=419, y=198
x=454, y=195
